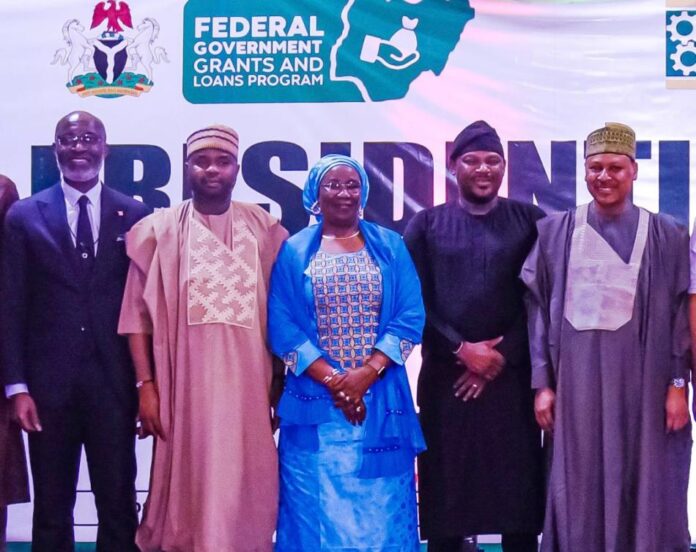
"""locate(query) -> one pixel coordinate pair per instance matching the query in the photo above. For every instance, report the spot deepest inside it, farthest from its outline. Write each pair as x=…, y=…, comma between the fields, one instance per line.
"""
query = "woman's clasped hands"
x=348, y=390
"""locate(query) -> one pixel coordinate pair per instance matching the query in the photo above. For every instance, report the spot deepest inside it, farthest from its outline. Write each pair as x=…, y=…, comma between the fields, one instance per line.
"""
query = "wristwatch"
x=678, y=383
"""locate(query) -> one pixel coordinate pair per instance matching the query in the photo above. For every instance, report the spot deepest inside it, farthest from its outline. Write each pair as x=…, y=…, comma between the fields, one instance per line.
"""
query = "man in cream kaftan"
x=198, y=285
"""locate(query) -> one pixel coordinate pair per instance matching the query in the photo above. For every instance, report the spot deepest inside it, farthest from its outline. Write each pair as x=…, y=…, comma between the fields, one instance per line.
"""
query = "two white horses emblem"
x=140, y=48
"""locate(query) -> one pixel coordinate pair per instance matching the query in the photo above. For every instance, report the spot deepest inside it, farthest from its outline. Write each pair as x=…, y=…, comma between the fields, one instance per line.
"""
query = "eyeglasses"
x=72, y=139
x=334, y=186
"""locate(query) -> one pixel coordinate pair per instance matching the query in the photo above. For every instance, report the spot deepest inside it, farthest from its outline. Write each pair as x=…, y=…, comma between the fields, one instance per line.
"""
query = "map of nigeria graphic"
x=317, y=50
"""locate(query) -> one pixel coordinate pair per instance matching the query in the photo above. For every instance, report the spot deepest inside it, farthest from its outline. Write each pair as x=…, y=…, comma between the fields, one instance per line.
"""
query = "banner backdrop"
x=390, y=82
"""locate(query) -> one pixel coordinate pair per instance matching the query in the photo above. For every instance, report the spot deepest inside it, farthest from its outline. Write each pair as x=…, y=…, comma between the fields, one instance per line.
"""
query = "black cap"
x=478, y=136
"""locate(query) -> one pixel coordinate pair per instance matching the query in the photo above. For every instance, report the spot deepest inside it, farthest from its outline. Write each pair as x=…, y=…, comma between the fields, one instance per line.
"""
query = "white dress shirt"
x=72, y=196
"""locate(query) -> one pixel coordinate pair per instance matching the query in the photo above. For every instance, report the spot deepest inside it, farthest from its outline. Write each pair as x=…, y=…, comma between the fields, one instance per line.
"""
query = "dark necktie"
x=84, y=239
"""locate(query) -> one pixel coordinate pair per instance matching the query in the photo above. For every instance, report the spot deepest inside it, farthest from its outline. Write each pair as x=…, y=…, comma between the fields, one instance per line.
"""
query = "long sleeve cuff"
x=681, y=367
x=16, y=389
x=299, y=360
x=445, y=332
x=541, y=377
x=397, y=349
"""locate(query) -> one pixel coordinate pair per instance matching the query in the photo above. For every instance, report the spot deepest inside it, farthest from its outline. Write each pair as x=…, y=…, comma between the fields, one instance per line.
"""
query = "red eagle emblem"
x=114, y=12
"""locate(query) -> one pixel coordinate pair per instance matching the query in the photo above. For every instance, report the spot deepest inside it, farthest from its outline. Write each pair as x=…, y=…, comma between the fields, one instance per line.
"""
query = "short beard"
x=478, y=200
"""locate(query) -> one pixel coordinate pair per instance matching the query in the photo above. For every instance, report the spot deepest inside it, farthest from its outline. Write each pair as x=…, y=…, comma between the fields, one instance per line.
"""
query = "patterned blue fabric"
x=392, y=435
x=310, y=195
x=324, y=505
x=347, y=299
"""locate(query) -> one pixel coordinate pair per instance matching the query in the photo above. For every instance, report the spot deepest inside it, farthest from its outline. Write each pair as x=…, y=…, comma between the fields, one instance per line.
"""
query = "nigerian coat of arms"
x=113, y=58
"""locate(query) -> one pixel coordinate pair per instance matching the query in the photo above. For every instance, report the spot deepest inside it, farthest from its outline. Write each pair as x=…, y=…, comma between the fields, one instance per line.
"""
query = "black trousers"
x=511, y=542
x=95, y=418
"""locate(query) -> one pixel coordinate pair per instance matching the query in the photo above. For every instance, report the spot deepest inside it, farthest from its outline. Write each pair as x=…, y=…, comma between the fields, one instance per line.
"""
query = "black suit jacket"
x=53, y=317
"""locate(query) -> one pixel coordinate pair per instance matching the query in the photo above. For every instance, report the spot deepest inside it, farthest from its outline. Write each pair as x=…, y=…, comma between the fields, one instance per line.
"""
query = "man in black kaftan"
x=482, y=470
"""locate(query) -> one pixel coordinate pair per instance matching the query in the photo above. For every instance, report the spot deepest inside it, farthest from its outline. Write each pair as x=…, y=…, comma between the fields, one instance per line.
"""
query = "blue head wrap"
x=310, y=195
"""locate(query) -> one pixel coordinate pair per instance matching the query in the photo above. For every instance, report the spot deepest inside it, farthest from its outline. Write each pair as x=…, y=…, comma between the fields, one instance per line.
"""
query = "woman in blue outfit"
x=345, y=311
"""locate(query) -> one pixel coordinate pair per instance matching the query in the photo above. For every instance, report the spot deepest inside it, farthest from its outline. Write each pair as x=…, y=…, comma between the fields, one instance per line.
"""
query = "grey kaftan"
x=618, y=482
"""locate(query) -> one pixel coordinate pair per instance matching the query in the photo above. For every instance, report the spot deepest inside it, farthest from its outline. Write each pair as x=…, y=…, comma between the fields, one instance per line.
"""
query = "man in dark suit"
x=68, y=373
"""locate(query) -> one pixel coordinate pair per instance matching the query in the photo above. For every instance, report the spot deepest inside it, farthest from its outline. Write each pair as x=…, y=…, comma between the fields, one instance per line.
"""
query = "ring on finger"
x=358, y=409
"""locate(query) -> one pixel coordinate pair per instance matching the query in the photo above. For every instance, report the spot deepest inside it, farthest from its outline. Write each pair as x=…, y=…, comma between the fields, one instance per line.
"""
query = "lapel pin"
x=119, y=213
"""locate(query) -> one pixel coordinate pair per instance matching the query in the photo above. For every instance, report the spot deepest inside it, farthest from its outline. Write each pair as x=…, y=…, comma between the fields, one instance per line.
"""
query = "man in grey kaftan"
x=609, y=340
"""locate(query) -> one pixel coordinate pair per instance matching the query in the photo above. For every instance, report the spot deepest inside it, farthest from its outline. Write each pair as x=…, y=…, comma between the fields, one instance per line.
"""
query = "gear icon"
x=677, y=56
x=672, y=28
